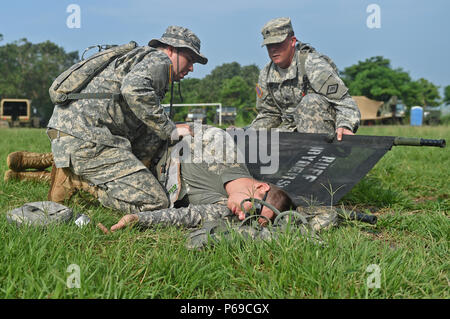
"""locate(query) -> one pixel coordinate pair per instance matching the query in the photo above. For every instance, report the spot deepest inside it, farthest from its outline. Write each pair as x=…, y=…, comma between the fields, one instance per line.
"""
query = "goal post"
x=219, y=105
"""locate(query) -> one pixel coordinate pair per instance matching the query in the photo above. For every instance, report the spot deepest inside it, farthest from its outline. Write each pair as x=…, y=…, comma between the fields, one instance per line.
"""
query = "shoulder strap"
x=301, y=62
x=79, y=96
x=270, y=90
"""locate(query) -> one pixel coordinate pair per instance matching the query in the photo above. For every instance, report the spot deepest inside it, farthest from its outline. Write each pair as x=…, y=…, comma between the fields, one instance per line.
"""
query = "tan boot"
x=28, y=176
x=20, y=161
x=64, y=184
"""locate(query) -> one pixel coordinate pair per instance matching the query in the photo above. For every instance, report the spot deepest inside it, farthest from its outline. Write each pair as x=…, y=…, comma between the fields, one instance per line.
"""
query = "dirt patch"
x=424, y=199
x=371, y=209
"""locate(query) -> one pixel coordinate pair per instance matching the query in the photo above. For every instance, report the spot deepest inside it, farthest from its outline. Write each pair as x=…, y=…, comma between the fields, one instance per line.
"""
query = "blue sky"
x=413, y=34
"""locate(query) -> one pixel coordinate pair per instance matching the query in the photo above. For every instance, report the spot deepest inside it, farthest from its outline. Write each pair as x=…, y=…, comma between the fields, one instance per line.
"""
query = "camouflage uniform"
x=204, y=178
x=202, y=181
x=280, y=101
x=208, y=199
x=108, y=140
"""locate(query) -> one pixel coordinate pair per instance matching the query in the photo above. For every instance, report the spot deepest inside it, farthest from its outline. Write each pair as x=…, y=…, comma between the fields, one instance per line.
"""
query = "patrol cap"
x=180, y=37
x=276, y=30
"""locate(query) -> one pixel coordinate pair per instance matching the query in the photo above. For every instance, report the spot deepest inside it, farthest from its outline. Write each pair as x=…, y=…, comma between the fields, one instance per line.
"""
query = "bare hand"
x=103, y=228
x=343, y=131
x=268, y=213
x=180, y=131
x=125, y=221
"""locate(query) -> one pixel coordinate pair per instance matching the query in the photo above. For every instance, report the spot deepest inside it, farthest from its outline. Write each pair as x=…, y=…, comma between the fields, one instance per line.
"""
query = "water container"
x=416, y=116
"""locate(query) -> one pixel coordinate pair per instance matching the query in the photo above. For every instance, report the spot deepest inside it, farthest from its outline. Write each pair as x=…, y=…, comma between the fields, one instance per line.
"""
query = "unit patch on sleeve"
x=259, y=91
x=332, y=88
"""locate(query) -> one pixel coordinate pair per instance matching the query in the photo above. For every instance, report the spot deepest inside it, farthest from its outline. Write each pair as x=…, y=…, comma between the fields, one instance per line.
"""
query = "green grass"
x=408, y=190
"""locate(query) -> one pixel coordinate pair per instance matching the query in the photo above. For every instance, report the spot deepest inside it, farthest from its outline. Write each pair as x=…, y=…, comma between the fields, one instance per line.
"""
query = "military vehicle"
x=18, y=113
x=196, y=115
x=228, y=115
x=393, y=111
x=372, y=111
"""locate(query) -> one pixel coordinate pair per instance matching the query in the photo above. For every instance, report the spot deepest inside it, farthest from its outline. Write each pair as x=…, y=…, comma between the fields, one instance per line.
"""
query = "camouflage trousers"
x=314, y=114
x=123, y=181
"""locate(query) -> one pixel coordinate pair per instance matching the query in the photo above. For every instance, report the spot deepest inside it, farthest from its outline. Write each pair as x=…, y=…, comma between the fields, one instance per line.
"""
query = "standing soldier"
x=101, y=145
x=300, y=90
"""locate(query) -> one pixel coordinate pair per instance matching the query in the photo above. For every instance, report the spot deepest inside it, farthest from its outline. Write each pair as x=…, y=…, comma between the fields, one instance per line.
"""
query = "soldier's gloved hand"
x=343, y=131
x=125, y=221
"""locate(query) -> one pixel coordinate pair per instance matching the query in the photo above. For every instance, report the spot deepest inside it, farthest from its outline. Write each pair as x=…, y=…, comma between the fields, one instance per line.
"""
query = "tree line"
x=27, y=71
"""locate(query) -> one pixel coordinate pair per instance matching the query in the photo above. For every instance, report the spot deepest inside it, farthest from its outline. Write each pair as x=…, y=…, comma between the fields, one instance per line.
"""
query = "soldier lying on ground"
x=212, y=187
x=220, y=194
x=300, y=88
x=106, y=143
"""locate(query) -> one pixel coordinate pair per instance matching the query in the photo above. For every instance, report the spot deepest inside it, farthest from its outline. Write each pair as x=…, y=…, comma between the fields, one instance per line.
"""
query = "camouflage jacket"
x=287, y=92
x=142, y=77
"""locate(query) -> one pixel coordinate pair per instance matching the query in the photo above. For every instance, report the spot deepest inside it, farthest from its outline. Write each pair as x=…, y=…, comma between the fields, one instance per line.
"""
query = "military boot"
x=64, y=184
x=20, y=161
x=28, y=176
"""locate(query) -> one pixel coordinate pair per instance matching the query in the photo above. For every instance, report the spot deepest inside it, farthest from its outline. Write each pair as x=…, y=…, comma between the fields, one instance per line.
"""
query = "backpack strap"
x=270, y=90
x=79, y=96
x=301, y=62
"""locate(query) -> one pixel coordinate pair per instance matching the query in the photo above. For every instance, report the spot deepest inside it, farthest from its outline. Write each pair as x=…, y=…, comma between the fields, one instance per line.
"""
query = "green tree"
x=426, y=93
x=350, y=73
x=229, y=84
x=447, y=94
x=186, y=91
x=27, y=71
x=250, y=74
x=212, y=83
x=235, y=92
x=375, y=79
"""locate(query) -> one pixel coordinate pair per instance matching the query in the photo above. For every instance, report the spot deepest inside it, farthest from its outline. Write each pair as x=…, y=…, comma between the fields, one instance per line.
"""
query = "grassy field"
x=408, y=190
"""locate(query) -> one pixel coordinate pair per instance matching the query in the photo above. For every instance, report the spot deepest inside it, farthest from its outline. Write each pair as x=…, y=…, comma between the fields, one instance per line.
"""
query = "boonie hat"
x=180, y=37
x=276, y=30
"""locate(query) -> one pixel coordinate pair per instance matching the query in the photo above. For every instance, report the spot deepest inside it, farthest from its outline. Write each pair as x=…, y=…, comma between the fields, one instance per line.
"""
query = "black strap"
x=305, y=85
x=301, y=62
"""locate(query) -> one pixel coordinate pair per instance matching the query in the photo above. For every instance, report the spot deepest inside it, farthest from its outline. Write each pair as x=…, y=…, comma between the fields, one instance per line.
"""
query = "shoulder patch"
x=259, y=91
x=332, y=88
x=323, y=78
